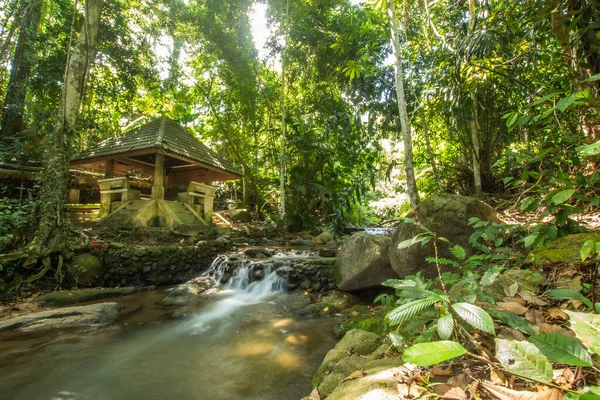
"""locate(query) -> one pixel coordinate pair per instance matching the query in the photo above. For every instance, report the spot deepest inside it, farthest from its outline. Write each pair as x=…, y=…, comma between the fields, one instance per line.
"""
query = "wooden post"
x=158, y=190
x=208, y=177
x=109, y=169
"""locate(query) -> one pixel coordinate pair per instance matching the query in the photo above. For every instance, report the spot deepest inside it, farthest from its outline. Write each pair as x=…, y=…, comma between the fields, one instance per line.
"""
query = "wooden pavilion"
x=178, y=172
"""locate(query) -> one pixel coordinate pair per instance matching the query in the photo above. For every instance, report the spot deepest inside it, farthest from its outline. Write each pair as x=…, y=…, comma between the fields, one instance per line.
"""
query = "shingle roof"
x=162, y=133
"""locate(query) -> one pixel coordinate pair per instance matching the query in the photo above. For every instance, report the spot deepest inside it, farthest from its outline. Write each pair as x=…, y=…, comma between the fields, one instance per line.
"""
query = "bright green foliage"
x=569, y=294
x=523, y=359
x=587, y=328
x=425, y=354
x=475, y=316
x=562, y=349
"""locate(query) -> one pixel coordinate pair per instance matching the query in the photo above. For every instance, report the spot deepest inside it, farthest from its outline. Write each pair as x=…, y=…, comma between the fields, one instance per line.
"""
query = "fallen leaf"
x=535, y=316
x=415, y=391
x=403, y=389
x=497, y=377
x=513, y=307
x=551, y=328
x=563, y=377
x=326, y=309
x=514, y=299
x=556, y=313
x=530, y=298
x=439, y=371
x=355, y=313
x=460, y=380
x=503, y=393
x=442, y=388
x=509, y=333
x=455, y=393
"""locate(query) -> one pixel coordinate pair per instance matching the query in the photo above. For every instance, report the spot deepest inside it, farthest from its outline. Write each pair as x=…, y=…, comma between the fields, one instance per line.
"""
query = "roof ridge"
x=161, y=132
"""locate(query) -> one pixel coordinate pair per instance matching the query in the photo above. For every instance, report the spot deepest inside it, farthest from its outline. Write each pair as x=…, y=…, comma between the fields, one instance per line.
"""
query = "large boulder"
x=188, y=292
x=95, y=314
x=448, y=216
x=87, y=269
x=242, y=216
x=363, y=262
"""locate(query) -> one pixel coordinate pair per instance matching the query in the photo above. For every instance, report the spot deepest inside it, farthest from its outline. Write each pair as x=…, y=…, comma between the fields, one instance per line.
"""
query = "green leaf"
x=529, y=240
x=569, y=294
x=590, y=150
x=445, y=326
x=425, y=354
x=397, y=340
x=589, y=393
x=458, y=252
x=477, y=317
x=566, y=102
x=562, y=196
x=562, y=349
x=407, y=311
x=587, y=328
x=523, y=359
x=593, y=78
x=587, y=250
x=513, y=320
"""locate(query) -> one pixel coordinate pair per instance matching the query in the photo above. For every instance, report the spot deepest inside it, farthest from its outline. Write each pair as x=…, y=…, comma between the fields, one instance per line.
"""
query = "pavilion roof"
x=162, y=133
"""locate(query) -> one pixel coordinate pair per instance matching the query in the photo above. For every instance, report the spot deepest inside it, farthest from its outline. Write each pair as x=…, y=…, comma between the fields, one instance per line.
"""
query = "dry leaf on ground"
x=502, y=393
x=439, y=371
x=513, y=307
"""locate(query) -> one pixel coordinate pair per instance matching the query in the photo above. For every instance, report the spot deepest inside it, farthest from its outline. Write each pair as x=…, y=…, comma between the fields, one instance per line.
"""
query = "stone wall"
x=125, y=265
x=313, y=275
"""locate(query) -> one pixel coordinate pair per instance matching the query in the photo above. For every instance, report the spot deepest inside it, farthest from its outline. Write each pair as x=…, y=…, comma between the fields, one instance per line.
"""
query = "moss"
x=67, y=297
x=564, y=250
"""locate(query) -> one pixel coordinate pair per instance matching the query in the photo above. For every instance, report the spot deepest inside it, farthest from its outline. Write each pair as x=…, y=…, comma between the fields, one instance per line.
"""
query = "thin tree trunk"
x=404, y=121
x=475, y=142
x=16, y=92
x=283, y=137
x=430, y=154
x=52, y=231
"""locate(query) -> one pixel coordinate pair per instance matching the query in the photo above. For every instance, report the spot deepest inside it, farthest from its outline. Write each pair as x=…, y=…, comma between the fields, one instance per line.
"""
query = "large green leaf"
x=523, y=359
x=513, y=320
x=425, y=354
x=562, y=349
x=477, y=317
x=587, y=250
x=563, y=196
x=569, y=294
x=445, y=326
x=587, y=328
x=589, y=393
x=590, y=150
x=407, y=311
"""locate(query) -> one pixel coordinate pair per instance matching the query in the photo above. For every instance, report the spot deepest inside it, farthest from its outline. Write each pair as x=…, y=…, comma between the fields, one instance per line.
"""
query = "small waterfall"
x=245, y=282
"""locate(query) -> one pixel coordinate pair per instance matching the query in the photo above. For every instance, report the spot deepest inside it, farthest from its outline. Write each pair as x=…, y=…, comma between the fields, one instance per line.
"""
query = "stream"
x=238, y=346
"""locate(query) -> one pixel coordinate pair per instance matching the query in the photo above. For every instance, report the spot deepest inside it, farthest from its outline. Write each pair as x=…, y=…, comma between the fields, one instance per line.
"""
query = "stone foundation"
x=153, y=265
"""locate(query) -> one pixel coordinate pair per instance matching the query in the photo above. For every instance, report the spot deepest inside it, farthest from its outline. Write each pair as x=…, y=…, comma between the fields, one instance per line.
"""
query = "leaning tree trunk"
x=51, y=236
x=475, y=143
x=404, y=121
x=16, y=91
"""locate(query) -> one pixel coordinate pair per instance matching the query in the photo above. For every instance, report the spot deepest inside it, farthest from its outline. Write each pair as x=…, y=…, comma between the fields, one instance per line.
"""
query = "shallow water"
x=238, y=347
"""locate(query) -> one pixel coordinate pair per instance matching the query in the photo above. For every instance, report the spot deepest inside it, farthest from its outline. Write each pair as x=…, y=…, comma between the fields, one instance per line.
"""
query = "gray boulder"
x=448, y=216
x=241, y=216
x=95, y=314
x=188, y=292
x=363, y=262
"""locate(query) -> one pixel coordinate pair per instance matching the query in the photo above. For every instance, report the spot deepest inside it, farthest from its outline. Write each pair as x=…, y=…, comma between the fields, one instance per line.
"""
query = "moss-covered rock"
x=66, y=297
x=86, y=269
x=355, y=342
x=446, y=214
x=564, y=250
x=370, y=322
x=528, y=279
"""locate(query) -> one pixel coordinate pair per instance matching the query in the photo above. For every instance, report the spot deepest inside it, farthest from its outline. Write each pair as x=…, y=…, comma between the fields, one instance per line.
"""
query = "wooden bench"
x=114, y=192
x=200, y=197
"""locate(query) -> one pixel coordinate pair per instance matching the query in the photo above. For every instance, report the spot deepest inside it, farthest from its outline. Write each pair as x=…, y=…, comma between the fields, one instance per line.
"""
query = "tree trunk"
x=16, y=92
x=430, y=154
x=52, y=232
x=404, y=120
x=475, y=142
x=283, y=138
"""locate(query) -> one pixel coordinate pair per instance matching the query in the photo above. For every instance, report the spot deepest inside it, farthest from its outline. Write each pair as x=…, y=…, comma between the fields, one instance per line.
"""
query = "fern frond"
x=458, y=252
x=418, y=293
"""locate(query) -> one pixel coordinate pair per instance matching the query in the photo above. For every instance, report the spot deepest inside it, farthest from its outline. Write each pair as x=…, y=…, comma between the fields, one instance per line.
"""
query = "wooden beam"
x=109, y=169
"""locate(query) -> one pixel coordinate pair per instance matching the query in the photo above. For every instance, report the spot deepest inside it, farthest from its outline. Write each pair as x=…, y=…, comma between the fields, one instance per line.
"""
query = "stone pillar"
x=73, y=196
x=109, y=170
x=158, y=190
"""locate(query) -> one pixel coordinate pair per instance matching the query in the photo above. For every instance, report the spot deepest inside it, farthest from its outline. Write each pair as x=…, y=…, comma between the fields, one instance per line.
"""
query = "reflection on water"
x=238, y=347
